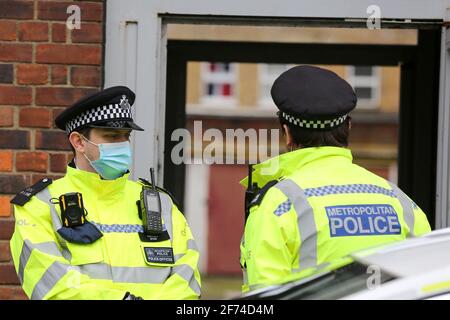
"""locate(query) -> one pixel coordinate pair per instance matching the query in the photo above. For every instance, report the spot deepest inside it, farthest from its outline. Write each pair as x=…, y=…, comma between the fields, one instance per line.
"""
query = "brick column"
x=44, y=67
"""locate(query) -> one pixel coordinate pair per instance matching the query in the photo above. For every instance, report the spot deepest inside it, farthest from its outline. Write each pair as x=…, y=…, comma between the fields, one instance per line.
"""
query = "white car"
x=416, y=268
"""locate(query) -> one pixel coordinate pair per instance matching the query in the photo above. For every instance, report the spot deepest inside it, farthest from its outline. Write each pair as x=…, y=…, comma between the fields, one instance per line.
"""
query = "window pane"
x=226, y=90
x=363, y=92
x=210, y=89
x=276, y=69
x=363, y=70
x=336, y=284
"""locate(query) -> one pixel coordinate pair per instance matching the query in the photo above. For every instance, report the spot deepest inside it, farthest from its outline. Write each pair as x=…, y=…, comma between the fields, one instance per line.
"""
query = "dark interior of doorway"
x=418, y=116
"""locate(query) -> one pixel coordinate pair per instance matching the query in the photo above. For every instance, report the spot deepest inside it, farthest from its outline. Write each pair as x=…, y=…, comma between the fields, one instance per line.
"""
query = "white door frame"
x=135, y=55
x=443, y=147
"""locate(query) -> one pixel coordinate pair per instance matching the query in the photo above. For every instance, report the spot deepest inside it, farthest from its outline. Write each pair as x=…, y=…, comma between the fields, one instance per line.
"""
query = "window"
x=344, y=281
x=218, y=84
x=365, y=80
x=267, y=75
x=350, y=279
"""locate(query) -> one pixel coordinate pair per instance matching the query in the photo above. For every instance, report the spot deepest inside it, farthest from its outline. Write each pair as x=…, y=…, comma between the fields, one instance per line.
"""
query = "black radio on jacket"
x=72, y=210
x=150, y=206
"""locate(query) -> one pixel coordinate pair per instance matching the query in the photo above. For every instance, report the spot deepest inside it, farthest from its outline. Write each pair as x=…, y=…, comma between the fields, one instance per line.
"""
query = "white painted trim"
x=242, y=112
x=149, y=77
x=196, y=200
x=265, y=102
x=443, y=146
x=354, y=9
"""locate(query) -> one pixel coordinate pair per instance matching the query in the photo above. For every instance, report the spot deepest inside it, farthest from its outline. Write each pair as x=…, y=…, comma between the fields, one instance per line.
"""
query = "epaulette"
x=148, y=184
x=25, y=195
x=262, y=192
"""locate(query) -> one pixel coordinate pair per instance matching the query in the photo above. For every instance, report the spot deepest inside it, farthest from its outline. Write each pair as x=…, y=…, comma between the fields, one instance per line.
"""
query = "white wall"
x=196, y=207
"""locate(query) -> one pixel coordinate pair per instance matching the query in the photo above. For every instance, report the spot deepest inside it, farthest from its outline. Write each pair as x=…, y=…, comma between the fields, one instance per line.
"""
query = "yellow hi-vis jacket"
x=323, y=208
x=50, y=267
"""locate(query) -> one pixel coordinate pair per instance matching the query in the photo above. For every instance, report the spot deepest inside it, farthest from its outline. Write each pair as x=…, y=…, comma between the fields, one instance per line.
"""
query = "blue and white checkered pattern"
x=101, y=113
x=314, y=124
x=120, y=228
x=348, y=188
x=283, y=208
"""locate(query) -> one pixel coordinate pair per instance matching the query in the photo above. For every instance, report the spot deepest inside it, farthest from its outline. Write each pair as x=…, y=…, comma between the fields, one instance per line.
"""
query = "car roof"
x=421, y=286
x=410, y=257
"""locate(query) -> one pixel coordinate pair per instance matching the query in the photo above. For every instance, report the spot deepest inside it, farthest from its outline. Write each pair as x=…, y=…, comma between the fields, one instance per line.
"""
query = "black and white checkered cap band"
x=314, y=124
x=102, y=113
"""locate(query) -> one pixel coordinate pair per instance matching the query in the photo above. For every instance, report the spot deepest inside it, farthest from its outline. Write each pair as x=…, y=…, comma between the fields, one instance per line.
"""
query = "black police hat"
x=313, y=98
x=107, y=109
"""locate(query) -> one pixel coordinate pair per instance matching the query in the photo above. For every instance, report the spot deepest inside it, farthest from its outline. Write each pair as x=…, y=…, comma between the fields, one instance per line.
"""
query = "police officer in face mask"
x=87, y=235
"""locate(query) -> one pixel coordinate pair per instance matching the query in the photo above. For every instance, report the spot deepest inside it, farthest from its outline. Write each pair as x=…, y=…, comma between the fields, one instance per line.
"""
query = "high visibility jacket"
x=50, y=267
x=322, y=208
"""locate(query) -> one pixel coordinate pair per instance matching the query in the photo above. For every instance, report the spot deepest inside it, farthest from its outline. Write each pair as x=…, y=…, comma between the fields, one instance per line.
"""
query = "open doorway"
x=217, y=76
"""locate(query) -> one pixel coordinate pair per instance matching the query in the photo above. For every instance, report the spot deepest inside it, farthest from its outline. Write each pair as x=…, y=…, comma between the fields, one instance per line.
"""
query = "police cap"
x=313, y=98
x=108, y=109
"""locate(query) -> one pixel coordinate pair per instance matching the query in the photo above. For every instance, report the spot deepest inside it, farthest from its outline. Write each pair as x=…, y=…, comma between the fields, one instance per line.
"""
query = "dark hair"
x=85, y=131
x=304, y=138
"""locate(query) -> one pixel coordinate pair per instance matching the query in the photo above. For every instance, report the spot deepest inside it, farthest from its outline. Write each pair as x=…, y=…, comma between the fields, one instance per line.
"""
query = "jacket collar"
x=92, y=182
x=284, y=165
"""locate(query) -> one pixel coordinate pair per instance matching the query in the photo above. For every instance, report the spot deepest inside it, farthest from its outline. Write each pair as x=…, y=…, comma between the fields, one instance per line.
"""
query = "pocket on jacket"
x=86, y=253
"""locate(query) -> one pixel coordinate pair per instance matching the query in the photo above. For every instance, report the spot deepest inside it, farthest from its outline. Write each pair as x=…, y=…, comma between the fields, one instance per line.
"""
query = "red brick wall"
x=226, y=219
x=44, y=67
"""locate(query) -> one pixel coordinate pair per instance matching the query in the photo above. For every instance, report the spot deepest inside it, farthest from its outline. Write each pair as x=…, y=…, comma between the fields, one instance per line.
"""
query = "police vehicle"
x=416, y=268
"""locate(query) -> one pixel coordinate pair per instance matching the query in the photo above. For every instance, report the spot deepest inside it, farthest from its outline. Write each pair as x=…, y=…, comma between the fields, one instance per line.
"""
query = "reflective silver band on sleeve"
x=45, y=247
x=305, y=221
x=407, y=206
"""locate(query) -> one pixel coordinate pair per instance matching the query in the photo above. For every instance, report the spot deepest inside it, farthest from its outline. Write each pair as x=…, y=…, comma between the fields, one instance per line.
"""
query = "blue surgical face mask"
x=114, y=160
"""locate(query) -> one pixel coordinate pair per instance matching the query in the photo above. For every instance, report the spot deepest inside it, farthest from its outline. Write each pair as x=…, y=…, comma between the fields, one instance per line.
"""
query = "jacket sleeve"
x=184, y=281
x=41, y=267
x=414, y=217
x=421, y=224
x=419, y=220
x=270, y=242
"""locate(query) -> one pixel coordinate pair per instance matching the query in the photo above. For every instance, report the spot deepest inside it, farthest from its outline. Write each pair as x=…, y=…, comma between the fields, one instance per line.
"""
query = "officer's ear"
x=77, y=141
x=289, y=139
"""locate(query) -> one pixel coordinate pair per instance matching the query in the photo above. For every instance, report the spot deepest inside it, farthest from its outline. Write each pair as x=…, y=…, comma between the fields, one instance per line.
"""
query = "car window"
x=342, y=282
x=336, y=284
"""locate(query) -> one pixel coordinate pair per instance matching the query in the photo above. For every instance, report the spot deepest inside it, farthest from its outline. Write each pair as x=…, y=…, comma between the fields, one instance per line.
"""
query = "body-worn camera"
x=150, y=206
x=72, y=210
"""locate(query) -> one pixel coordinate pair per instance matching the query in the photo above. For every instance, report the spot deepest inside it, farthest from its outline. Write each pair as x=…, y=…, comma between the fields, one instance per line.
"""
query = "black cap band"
x=314, y=124
x=121, y=111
